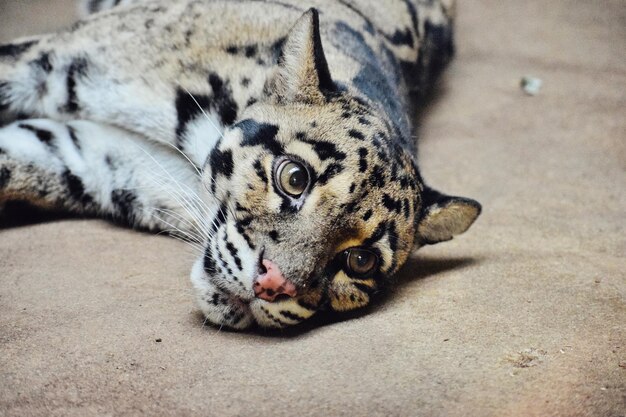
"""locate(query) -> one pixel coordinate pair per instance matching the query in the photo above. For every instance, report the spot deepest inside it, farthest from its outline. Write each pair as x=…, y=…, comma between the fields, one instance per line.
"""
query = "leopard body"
x=176, y=115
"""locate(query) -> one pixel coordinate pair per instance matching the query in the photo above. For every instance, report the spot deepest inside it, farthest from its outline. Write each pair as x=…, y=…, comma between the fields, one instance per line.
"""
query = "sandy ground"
x=523, y=316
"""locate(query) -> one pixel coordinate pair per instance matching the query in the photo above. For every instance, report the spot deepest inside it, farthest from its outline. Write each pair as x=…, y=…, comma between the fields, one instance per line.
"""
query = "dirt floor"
x=525, y=315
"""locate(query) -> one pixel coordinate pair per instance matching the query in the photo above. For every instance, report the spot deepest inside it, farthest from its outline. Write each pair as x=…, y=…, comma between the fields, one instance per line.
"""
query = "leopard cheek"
x=349, y=294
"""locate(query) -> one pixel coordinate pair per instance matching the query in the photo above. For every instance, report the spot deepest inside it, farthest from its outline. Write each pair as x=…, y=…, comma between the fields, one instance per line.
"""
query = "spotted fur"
x=174, y=115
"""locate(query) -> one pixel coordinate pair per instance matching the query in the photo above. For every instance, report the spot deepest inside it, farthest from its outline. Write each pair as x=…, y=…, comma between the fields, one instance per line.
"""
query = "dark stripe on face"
x=233, y=252
x=323, y=149
x=406, y=207
x=187, y=109
x=209, y=263
x=392, y=235
x=220, y=259
x=273, y=318
x=330, y=171
x=220, y=218
x=376, y=236
x=362, y=287
x=291, y=316
x=240, y=226
x=264, y=134
x=15, y=50
x=258, y=168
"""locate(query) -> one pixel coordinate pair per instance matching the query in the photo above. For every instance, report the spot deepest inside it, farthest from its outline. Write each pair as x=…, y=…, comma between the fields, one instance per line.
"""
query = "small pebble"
x=531, y=85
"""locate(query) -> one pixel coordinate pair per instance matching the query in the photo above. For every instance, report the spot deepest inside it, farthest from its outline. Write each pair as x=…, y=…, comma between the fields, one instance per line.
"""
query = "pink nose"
x=271, y=284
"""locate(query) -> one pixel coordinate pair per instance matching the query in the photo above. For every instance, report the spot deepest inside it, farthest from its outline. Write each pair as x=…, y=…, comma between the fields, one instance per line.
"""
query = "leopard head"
x=320, y=199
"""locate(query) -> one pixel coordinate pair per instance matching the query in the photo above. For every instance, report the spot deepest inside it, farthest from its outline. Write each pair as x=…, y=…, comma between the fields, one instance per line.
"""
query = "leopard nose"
x=271, y=283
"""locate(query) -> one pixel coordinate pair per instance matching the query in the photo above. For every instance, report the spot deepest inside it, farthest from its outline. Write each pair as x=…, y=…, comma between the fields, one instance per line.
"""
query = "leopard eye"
x=293, y=178
x=360, y=261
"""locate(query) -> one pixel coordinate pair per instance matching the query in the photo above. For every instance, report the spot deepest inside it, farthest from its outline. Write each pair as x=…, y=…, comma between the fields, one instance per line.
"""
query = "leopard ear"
x=444, y=216
x=302, y=74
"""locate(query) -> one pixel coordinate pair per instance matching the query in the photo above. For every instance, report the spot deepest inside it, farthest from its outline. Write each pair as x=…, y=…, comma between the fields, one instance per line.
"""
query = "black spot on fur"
x=356, y=134
x=15, y=50
x=402, y=37
x=78, y=68
x=277, y=48
x=273, y=235
x=363, y=159
x=406, y=208
x=221, y=163
x=245, y=81
x=4, y=95
x=377, y=177
x=367, y=215
x=76, y=188
x=187, y=109
x=251, y=101
x=364, y=121
x=109, y=162
x=43, y=62
x=45, y=136
x=308, y=306
x=352, y=188
x=72, y=132
x=391, y=204
x=124, y=203
x=352, y=207
x=5, y=177
x=250, y=51
x=264, y=134
x=223, y=100
x=232, y=50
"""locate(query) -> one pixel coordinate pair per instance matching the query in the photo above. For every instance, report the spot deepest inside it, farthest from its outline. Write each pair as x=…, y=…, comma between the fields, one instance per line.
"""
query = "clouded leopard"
x=275, y=135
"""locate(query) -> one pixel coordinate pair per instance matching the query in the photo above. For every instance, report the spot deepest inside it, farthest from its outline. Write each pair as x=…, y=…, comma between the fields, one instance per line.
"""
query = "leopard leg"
x=84, y=73
x=88, y=168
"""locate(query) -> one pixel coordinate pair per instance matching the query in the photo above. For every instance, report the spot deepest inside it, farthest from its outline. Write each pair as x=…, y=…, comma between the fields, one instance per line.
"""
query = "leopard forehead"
x=365, y=185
